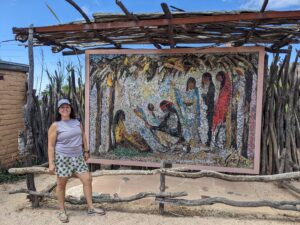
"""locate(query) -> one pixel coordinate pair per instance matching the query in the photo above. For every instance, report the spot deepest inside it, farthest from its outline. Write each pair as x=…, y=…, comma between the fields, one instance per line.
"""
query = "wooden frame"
x=258, y=112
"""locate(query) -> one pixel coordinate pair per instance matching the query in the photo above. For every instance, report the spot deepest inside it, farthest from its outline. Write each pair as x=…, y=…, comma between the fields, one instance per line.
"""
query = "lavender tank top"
x=68, y=139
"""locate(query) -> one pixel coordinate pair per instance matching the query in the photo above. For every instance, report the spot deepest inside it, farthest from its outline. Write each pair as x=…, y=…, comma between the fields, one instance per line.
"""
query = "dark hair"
x=206, y=75
x=150, y=107
x=118, y=114
x=222, y=74
x=167, y=104
x=190, y=80
x=58, y=116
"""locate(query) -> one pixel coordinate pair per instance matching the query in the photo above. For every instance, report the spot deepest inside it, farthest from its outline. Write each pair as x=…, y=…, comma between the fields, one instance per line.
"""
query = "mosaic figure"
x=189, y=107
x=170, y=122
x=149, y=135
x=123, y=137
x=208, y=95
x=168, y=132
x=238, y=99
x=221, y=109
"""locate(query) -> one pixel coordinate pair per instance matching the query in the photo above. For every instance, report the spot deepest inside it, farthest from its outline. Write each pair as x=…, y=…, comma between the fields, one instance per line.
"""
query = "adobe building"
x=13, y=79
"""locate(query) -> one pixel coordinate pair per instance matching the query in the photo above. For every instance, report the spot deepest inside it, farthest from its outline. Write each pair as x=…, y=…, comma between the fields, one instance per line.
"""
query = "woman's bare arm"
x=51, y=147
x=86, y=152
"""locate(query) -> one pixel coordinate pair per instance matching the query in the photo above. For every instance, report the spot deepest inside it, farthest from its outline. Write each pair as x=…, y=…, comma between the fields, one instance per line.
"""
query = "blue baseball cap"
x=63, y=101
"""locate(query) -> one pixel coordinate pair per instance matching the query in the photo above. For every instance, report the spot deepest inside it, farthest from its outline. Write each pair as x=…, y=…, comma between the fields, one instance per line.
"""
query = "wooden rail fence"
x=163, y=197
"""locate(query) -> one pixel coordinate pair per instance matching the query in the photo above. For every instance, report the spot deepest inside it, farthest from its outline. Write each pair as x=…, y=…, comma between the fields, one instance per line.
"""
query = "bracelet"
x=86, y=152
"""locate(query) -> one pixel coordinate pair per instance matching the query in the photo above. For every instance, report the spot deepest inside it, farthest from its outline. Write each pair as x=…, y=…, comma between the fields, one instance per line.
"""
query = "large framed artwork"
x=195, y=108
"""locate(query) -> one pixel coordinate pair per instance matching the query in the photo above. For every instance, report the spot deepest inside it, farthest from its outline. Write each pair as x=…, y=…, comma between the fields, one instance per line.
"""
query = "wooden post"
x=28, y=121
x=162, y=187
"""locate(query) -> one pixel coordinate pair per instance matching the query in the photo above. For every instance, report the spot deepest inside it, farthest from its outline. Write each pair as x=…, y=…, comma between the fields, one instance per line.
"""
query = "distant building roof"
x=4, y=65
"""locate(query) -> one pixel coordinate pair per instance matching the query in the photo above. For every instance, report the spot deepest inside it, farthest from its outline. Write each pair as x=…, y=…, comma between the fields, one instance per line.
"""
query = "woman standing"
x=189, y=106
x=208, y=97
x=67, y=153
x=221, y=109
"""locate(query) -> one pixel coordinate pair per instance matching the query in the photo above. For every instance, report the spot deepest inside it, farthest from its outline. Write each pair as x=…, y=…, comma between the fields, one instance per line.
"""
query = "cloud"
x=273, y=4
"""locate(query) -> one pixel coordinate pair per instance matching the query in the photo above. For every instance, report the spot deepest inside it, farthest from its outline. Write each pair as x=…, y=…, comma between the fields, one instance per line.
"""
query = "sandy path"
x=16, y=210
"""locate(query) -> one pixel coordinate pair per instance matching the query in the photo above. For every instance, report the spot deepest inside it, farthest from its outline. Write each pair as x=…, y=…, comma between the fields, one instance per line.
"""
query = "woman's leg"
x=61, y=191
x=86, y=180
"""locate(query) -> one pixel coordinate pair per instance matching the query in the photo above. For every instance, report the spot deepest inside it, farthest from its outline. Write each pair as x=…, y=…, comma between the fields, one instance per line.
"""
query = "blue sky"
x=22, y=13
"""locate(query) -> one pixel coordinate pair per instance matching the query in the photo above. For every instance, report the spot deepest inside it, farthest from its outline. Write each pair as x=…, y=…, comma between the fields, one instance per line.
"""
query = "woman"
x=170, y=123
x=208, y=97
x=67, y=153
x=123, y=137
x=189, y=106
x=221, y=109
x=168, y=130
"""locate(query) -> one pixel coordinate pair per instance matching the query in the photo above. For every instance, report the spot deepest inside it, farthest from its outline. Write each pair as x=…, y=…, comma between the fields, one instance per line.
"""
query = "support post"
x=28, y=121
x=162, y=187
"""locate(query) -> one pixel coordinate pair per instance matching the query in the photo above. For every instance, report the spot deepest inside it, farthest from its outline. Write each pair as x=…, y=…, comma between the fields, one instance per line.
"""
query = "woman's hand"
x=86, y=155
x=52, y=168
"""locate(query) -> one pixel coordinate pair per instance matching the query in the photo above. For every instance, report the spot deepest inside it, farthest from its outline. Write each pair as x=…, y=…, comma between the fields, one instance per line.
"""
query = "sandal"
x=94, y=211
x=63, y=217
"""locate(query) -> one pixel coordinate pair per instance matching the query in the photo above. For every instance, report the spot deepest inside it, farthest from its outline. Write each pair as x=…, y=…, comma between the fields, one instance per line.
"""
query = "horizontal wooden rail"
x=104, y=198
x=283, y=205
x=175, y=172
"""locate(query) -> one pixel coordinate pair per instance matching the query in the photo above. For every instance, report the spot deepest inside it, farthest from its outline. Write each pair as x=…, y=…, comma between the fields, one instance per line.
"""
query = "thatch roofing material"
x=272, y=28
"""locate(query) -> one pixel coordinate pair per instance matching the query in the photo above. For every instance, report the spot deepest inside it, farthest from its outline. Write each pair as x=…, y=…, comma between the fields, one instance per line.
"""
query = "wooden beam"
x=164, y=22
x=79, y=52
x=250, y=33
x=101, y=37
x=168, y=15
x=134, y=18
x=125, y=10
x=29, y=118
x=87, y=19
x=283, y=205
x=177, y=9
x=281, y=51
x=59, y=47
x=283, y=42
x=73, y=52
x=264, y=6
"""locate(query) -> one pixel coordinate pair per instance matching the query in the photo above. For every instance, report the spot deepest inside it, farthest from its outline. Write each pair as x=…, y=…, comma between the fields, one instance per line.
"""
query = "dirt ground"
x=16, y=209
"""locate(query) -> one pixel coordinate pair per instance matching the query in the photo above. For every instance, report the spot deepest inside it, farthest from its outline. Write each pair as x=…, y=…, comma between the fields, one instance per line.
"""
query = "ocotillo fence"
x=44, y=108
x=280, y=146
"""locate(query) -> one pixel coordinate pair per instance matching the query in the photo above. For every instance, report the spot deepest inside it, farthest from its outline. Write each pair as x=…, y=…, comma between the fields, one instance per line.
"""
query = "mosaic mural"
x=195, y=109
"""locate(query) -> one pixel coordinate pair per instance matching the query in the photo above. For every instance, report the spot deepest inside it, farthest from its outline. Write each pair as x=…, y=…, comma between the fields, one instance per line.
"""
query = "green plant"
x=6, y=177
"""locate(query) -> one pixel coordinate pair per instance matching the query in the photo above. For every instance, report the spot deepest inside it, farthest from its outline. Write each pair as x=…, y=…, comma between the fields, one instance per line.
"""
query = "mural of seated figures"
x=200, y=109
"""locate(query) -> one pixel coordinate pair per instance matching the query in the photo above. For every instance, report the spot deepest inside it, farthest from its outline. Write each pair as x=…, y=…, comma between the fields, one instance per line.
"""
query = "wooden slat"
x=250, y=33
x=134, y=18
x=170, y=27
x=164, y=22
